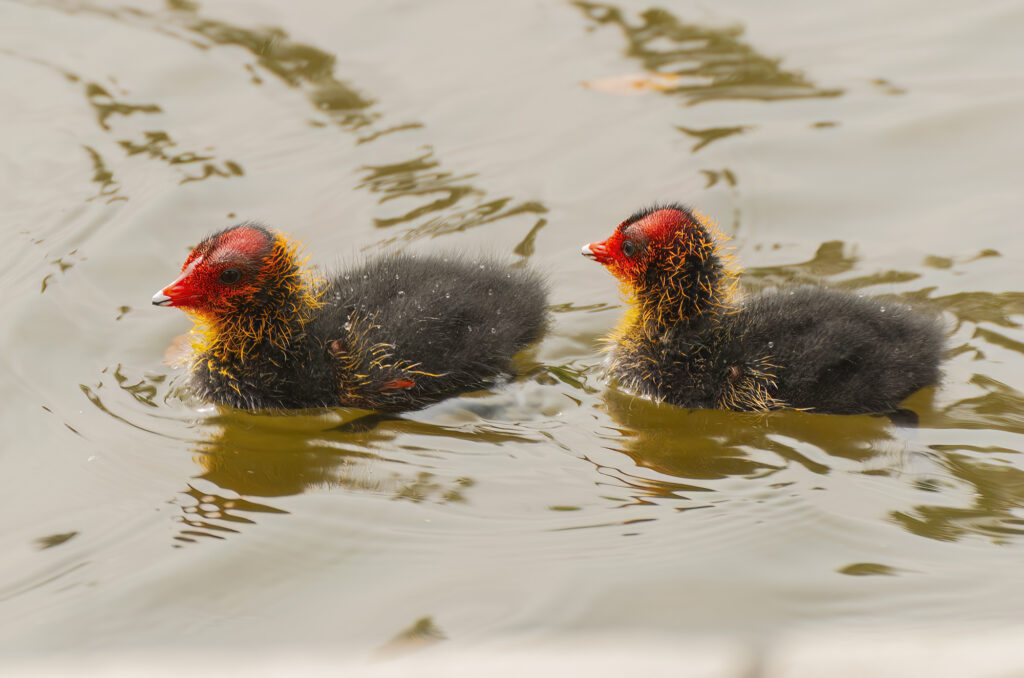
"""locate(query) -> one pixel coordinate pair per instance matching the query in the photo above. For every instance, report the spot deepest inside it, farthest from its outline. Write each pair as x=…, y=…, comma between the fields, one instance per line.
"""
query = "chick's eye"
x=230, y=276
x=629, y=248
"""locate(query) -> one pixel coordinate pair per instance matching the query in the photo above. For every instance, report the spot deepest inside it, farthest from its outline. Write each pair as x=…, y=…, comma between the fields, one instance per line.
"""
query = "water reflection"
x=979, y=492
x=710, y=63
x=105, y=105
x=830, y=259
x=706, y=136
x=423, y=633
x=275, y=456
x=103, y=176
x=992, y=491
x=156, y=145
x=420, y=179
x=440, y=201
x=51, y=540
x=999, y=408
x=869, y=570
x=153, y=144
x=714, y=176
x=246, y=458
x=998, y=308
x=713, y=444
x=120, y=400
x=62, y=264
x=297, y=64
x=143, y=389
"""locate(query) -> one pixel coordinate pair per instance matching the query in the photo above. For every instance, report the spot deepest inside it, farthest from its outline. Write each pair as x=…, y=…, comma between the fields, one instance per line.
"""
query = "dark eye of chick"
x=630, y=248
x=229, y=276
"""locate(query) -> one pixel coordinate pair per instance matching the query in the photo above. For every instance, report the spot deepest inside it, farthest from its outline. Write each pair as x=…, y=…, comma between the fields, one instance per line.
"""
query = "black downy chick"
x=397, y=333
x=688, y=341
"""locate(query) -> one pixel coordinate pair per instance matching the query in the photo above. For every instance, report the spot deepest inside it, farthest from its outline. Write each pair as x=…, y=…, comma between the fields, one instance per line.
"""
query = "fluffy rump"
x=448, y=324
x=838, y=352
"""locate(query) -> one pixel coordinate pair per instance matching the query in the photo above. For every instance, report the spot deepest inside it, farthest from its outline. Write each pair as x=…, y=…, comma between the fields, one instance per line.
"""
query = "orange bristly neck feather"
x=695, y=280
x=289, y=297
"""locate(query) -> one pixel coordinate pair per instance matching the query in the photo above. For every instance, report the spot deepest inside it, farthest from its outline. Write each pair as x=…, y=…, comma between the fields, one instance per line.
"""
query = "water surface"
x=874, y=148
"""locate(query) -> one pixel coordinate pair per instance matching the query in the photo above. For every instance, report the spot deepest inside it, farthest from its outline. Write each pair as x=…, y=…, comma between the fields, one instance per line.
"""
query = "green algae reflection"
x=714, y=63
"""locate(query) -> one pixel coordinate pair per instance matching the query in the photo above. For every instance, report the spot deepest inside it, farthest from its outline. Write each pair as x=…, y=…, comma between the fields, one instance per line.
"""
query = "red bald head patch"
x=221, y=268
x=643, y=238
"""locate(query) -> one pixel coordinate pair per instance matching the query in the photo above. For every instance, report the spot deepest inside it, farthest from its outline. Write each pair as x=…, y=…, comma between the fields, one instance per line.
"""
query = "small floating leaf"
x=635, y=83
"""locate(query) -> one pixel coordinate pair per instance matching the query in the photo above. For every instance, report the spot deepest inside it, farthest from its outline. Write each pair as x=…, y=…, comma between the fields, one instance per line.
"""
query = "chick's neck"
x=268, y=320
x=688, y=285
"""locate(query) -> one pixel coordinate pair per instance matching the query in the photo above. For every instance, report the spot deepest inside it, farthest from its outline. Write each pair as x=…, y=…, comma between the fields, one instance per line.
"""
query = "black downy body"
x=397, y=333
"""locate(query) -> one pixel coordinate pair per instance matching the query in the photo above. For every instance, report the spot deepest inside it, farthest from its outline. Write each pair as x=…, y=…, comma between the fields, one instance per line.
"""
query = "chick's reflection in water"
x=710, y=445
x=251, y=456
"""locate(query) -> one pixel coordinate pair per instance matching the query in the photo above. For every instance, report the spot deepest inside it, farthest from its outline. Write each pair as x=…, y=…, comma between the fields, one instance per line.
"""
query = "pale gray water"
x=874, y=147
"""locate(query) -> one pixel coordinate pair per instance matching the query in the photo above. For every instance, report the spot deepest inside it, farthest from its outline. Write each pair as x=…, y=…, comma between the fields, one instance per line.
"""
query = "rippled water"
x=874, y=148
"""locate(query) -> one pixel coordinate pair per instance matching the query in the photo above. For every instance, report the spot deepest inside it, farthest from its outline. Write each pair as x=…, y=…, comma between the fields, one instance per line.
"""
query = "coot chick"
x=397, y=333
x=687, y=339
